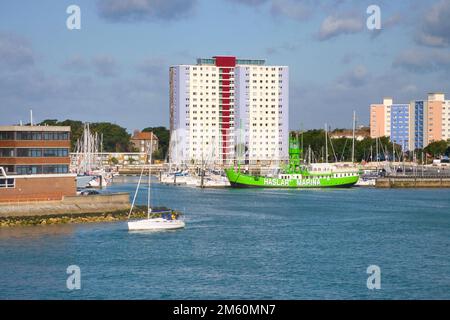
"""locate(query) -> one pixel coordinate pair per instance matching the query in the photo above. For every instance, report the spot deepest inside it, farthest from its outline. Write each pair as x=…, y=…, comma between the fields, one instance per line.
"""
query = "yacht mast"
x=309, y=154
x=376, y=150
x=353, y=140
x=326, y=143
x=150, y=149
x=393, y=153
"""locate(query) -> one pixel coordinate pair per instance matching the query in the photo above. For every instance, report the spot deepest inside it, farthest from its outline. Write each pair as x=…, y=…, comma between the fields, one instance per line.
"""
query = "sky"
x=115, y=68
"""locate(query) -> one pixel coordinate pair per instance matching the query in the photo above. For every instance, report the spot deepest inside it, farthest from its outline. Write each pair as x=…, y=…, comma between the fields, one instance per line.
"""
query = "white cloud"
x=336, y=25
x=15, y=52
x=423, y=61
x=356, y=77
x=105, y=66
x=434, y=31
x=144, y=10
x=298, y=10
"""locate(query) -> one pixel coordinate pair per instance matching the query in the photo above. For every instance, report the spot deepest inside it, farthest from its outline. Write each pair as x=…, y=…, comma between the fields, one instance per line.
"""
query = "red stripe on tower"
x=223, y=61
x=226, y=65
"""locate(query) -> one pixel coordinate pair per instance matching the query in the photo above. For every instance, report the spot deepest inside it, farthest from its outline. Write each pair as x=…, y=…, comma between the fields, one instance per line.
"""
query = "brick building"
x=34, y=163
x=142, y=141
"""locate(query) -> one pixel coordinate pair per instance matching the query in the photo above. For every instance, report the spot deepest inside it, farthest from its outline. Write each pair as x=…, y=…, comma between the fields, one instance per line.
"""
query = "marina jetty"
x=413, y=182
x=135, y=170
x=92, y=208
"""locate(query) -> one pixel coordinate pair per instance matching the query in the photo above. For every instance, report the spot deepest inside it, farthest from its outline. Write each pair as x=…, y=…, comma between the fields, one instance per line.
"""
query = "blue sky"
x=116, y=67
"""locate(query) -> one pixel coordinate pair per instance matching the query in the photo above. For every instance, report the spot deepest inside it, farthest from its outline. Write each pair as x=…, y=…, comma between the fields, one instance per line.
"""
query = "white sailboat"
x=87, y=162
x=171, y=222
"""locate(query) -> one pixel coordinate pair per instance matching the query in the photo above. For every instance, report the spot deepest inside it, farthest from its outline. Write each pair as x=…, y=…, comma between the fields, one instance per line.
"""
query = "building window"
x=6, y=152
x=7, y=183
x=28, y=135
x=40, y=152
x=46, y=169
x=29, y=169
x=55, y=169
x=6, y=135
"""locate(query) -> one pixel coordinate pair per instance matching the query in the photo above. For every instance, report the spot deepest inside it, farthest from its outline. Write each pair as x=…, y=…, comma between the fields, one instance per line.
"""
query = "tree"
x=447, y=152
x=115, y=138
x=114, y=161
x=342, y=147
x=76, y=128
x=437, y=148
x=157, y=155
x=163, y=135
x=49, y=122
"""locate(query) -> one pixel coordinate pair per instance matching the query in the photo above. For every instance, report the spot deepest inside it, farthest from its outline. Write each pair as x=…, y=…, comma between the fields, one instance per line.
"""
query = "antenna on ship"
x=326, y=143
x=353, y=138
x=301, y=141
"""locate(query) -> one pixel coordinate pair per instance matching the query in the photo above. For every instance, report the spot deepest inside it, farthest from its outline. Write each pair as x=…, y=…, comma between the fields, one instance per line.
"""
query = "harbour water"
x=244, y=244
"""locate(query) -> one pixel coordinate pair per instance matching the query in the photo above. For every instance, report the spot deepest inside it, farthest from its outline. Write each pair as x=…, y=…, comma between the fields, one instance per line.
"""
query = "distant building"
x=413, y=125
x=145, y=142
x=360, y=134
x=224, y=104
x=438, y=118
x=418, y=114
x=34, y=163
x=124, y=159
x=380, y=119
x=118, y=159
x=400, y=131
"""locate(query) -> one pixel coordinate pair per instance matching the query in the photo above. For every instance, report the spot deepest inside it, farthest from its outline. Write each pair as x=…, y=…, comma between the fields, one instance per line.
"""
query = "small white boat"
x=366, y=182
x=167, y=221
x=101, y=179
x=83, y=180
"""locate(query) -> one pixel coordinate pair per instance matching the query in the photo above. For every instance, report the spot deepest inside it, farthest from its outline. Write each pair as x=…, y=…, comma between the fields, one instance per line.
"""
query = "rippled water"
x=244, y=244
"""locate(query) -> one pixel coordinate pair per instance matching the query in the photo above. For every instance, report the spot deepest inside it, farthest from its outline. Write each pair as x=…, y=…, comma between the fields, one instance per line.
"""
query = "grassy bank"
x=138, y=212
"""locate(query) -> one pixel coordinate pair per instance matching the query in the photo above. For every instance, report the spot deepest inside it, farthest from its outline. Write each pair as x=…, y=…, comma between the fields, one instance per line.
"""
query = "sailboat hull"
x=155, y=224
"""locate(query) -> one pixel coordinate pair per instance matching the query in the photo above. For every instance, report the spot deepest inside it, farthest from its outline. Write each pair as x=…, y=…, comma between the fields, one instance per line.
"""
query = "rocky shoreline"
x=138, y=212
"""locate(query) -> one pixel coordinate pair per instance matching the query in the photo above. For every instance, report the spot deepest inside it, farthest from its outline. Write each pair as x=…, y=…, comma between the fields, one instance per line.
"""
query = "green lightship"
x=296, y=174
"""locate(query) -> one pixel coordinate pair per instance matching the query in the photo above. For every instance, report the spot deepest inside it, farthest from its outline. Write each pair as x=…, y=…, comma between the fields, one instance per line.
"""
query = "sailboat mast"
x=353, y=139
x=303, y=152
x=376, y=150
x=393, y=153
x=309, y=154
x=135, y=193
x=150, y=149
x=240, y=147
x=326, y=143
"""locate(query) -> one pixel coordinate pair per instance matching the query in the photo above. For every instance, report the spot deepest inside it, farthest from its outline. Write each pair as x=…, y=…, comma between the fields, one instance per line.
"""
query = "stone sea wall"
x=103, y=203
x=412, y=182
x=119, y=215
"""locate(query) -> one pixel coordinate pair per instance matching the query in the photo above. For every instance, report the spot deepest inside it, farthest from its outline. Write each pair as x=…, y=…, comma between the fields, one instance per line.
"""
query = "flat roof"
x=35, y=128
x=39, y=176
x=239, y=61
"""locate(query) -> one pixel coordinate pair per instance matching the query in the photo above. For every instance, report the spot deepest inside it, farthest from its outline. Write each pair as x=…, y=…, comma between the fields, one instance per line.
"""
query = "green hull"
x=241, y=180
